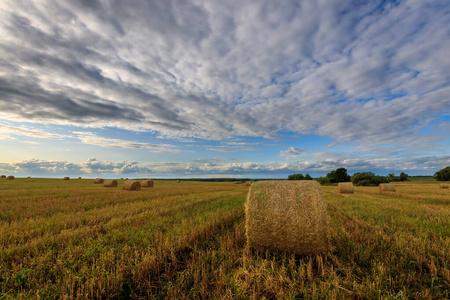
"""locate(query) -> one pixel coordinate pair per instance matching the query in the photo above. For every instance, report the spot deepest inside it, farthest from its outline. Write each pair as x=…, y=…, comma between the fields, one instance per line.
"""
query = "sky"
x=194, y=88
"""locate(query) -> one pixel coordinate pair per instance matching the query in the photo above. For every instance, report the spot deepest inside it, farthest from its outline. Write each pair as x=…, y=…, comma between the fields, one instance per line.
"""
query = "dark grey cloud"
x=371, y=73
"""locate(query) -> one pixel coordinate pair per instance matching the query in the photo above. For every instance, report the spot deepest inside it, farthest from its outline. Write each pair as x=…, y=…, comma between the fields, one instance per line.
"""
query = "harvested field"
x=187, y=240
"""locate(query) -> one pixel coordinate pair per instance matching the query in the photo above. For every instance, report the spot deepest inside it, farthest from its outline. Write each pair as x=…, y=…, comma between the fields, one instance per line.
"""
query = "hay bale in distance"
x=79, y=177
x=386, y=187
x=110, y=183
x=66, y=178
x=238, y=182
x=98, y=180
x=345, y=188
x=443, y=186
x=132, y=185
x=287, y=216
x=178, y=181
x=10, y=177
x=29, y=177
x=3, y=176
x=147, y=183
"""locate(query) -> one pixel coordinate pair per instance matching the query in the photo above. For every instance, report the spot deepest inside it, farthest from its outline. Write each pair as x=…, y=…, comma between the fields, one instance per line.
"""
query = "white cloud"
x=92, y=139
x=6, y=131
x=360, y=72
x=94, y=167
x=292, y=153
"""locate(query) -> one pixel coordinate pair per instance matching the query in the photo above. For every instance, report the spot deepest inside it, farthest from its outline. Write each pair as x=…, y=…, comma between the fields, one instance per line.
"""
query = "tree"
x=296, y=177
x=308, y=177
x=338, y=175
x=368, y=179
x=323, y=180
x=403, y=176
x=443, y=174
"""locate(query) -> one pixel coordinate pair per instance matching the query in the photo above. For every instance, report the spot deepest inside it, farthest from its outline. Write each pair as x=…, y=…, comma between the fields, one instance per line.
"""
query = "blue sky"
x=165, y=89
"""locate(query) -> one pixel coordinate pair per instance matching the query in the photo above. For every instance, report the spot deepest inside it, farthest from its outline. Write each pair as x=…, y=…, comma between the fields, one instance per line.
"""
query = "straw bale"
x=29, y=177
x=3, y=176
x=287, y=216
x=178, y=181
x=147, y=183
x=66, y=178
x=386, y=187
x=443, y=186
x=345, y=188
x=10, y=177
x=238, y=182
x=98, y=180
x=132, y=185
x=79, y=177
x=110, y=183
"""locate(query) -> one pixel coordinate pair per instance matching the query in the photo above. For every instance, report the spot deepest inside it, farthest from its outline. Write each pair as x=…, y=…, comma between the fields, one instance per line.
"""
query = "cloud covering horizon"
x=228, y=77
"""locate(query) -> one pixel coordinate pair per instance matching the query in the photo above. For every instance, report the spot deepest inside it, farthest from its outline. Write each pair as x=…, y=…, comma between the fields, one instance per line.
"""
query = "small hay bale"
x=386, y=187
x=3, y=176
x=10, y=177
x=147, y=183
x=132, y=185
x=443, y=186
x=345, y=188
x=121, y=178
x=66, y=178
x=238, y=182
x=287, y=216
x=178, y=181
x=110, y=183
x=29, y=177
x=79, y=177
x=98, y=180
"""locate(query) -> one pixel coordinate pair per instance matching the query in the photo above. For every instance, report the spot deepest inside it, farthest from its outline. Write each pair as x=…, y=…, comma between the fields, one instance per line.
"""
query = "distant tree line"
x=359, y=179
x=299, y=177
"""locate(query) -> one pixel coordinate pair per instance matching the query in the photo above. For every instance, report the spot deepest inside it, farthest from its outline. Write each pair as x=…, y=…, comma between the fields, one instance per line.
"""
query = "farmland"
x=75, y=239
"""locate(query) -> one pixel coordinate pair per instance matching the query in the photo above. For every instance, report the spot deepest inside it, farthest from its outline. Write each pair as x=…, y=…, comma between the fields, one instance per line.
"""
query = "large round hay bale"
x=98, y=180
x=178, y=181
x=110, y=183
x=443, y=186
x=147, y=183
x=287, y=216
x=66, y=178
x=79, y=177
x=3, y=176
x=345, y=188
x=132, y=185
x=10, y=177
x=386, y=187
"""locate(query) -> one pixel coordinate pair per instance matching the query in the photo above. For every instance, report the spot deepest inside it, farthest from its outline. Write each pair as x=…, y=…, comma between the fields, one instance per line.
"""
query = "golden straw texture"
x=287, y=216
x=132, y=185
x=386, y=187
x=110, y=183
x=443, y=186
x=147, y=183
x=345, y=188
